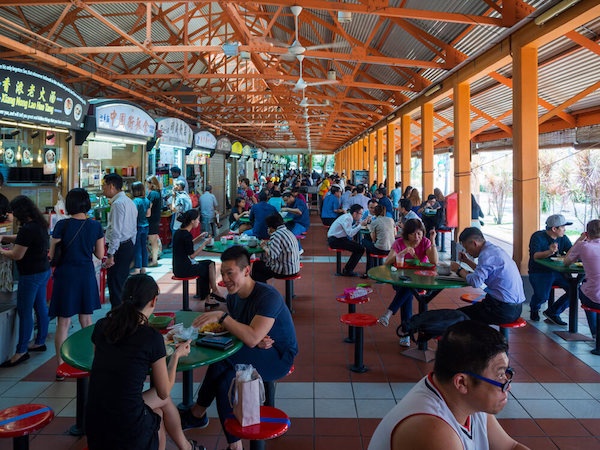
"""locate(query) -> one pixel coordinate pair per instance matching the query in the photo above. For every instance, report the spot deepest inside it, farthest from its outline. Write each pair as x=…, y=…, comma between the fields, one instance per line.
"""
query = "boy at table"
x=257, y=315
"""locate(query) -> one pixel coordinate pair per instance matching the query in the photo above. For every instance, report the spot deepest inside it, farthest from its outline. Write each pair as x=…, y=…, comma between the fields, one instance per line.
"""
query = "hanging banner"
x=124, y=118
x=204, y=139
x=175, y=132
x=35, y=96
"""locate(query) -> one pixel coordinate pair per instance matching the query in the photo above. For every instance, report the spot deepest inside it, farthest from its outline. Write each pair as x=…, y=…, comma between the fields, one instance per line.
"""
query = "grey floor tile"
x=533, y=391
x=330, y=408
x=27, y=389
x=592, y=388
x=56, y=403
x=63, y=389
x=583, y=409
x=566, y=391
x=401, y=389
x=6, y=384
x=373, y=391
x=373, y=409
x=7, y=402
x=545, y=409
x=513, y=410
x=294, y=390
x=297, y=407
x=333, y=390
x=70, y=410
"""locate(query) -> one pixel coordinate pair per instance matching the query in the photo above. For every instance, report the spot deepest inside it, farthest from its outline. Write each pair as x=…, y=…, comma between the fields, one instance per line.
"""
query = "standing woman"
x=155, y=198
x=119, y=414
x=31, y=255
x=75, y=289
x=143, y=205
x=415, y=199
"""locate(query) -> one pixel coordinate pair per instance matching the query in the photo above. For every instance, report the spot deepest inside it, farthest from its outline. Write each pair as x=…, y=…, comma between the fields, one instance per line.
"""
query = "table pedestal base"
x=188, y=390
x=567, y=336
x=421, y=355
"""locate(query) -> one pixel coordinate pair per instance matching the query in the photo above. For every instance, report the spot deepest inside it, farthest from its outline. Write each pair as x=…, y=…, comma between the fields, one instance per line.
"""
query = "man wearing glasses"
x=453, y=407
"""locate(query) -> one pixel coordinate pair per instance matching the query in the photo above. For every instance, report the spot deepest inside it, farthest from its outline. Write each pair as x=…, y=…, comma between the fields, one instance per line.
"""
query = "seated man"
x=257, y=315
x=282, y=254
x=258, y=215
x=503, y=302
x=369, y=213
x=299, y=210
x=331, y=208
x=345, y=199
x=406, y=212
x=340, y=235
x=453, y=407
x=382, y=198
x=429, y=213
x=544, y=244
x=360, y=198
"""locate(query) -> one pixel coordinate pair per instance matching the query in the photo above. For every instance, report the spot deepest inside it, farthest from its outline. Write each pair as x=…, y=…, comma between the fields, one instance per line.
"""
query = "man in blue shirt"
x=345, y=199
x=258, y=214
x=381, y=196
x=298, y=208
x=331, y=208
x=503, y=302
x=544, y=244
x=396, y=194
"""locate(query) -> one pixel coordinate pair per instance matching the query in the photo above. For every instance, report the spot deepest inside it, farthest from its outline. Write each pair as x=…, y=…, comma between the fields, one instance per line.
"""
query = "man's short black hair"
x=430, y=197
x=263, y=196
x=372, y=200
x=335, y=189
x=77, y=201
x=471, y=233
x=360, y=189
x=348, y=187
x=382, y=191
x=398, y=184
x=355, y=208
x=405, y=203
x=115, y=180
x=175, y=170
x=274, y=221
x=467, y=346
x=238, y=254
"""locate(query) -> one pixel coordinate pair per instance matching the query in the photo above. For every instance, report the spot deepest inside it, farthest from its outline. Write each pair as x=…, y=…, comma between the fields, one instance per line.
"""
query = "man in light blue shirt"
x=396, y=194
x=360, y=198
x=208, y=203
x=346, y=196
x=495, y=268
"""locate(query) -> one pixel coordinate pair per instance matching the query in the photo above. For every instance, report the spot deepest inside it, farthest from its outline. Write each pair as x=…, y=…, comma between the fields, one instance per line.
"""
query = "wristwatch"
x=222, y=318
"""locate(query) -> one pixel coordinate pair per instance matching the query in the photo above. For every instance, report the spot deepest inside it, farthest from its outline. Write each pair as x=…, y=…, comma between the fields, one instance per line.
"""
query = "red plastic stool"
x=18, y=422
x=273, y=423
x=82, y=377
x=520, y=322
x=551, y=296
x=351, y=310
x=472, y=298
x=442, y=232
x=338, y=259
x=289, y=289
x=270, y=387
x=186, y=290
x=374, y=260
x=358, y=321
x=596, y=350
x=300, y=237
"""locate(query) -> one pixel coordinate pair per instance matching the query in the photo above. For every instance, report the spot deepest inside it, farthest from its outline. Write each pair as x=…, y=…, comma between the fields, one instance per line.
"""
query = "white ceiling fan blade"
x=329, y=45
x=321, y=83
x=288, y=57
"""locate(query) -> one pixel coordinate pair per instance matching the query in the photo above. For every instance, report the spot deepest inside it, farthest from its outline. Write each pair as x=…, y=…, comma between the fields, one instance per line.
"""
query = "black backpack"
x=431, y=324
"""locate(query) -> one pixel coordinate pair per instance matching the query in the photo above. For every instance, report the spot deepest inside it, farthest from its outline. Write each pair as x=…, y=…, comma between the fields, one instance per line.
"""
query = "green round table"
x=78, y=351
x=432, y=286
x=217, y=247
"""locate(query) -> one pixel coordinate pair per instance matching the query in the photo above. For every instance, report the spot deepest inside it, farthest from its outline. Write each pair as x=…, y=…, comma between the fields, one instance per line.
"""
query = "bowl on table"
x=159, y=321
x=443, y=269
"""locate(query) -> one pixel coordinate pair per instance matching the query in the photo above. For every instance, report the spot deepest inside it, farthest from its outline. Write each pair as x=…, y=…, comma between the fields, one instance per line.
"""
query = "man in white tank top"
x=453, y=407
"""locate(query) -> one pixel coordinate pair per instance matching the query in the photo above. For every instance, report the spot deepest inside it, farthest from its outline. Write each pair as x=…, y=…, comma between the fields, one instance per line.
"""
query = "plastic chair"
x=18, y=422
x=186, y=290
x=273, y=423
x=358, y=321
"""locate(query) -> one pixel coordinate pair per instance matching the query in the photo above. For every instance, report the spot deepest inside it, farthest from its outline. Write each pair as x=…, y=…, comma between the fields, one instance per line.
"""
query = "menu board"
x=124, y=118
x=204, y=139
x=224, y=144
x=236, y=149
x=31, y=95
x=175, y=132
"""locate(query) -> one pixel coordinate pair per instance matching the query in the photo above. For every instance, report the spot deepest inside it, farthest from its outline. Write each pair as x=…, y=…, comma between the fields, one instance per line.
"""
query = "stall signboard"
x=195, y=157
x=247, y=151
x=124, y=118
x=175, y=132
x=204, y=139
x=224, y=144
x=30, y=95
x=259, y=154
x=236, y=149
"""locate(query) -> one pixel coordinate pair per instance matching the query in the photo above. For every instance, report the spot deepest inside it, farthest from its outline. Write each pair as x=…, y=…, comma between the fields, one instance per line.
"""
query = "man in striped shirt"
x=282, y=253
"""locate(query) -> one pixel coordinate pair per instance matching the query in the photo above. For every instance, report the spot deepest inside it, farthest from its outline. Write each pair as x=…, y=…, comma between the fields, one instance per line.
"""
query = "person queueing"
x=340, y=236
x=155, y=197
x=412, y=244
x=455, y=406
x=257, y=315
x=282, y=254
x=184, y=254
x=587, y=249
x=544, y=244
x=144, y=209
x=504, y=297
x=30, y=252
x=331, y=208
x=75, y=288
x=119, y=414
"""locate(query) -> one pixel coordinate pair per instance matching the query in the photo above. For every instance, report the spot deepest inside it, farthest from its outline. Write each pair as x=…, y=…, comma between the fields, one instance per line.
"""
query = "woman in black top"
x=154, y=220
x=237, y=212
x=31, y=255
x=119, y=416
x=183, y=254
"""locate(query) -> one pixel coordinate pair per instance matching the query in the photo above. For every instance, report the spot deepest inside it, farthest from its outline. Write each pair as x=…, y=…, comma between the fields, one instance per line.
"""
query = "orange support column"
x=405, y=151
x=371, y=154
x=526, y=182
x=364, y=161
x=391, y=155
x=427, y=148
x=380, y=156
x=462, y=153
x=357, y=144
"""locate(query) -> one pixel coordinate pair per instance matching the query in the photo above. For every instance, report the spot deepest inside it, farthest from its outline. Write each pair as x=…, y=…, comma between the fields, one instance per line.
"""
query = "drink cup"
x=399, y=260
x=223, y=240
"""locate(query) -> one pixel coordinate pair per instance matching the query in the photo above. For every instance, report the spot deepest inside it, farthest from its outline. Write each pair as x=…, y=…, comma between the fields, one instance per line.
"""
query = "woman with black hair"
x=184, y=254
x=237, y=212
x=75, y=289
x=119, y=414
x=31, y=255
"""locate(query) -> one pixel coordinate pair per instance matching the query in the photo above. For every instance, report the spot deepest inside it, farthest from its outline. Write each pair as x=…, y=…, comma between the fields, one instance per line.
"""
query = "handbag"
x=248, y=394
x=60, y=249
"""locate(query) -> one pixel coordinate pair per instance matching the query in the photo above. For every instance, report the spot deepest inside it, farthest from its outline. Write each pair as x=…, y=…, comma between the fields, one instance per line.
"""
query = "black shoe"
x=41, y=348
x=218, y=298
x=555, y=319
x=210, y=305
x=349, y=274
x=535, y=316
x=188, y=420
x=9, y=363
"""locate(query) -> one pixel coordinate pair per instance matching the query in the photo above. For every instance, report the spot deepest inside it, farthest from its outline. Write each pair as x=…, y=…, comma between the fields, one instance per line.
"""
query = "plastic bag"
x=248, y=394
x=180, y=333
x=357, y=292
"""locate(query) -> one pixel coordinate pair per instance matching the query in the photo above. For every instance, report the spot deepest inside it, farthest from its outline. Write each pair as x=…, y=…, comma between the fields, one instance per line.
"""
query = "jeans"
x=350, y=245
x=402, y=301
x=591, y=317
x=31, y=296
x=542, y=283
x=297, y=229
x=141, y=247
x=208, y=225
x=118, y=273
x=219, y=375
x=492, y=311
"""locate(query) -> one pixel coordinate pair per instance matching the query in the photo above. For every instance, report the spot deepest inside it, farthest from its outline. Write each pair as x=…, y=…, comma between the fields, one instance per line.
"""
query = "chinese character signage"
x=204, y=139
x=224, y=144
x=29, y=95
x=124, y=118
x=236, y=149
x=175, y=132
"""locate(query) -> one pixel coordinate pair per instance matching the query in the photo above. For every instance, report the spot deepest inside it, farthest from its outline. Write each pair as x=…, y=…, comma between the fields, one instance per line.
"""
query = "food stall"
x=236, y=155
x=205, y=144
x=174, y=137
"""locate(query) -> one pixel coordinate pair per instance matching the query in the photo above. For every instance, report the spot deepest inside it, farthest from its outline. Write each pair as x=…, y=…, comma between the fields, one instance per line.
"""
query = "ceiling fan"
x=305, y=104
x=300, y=85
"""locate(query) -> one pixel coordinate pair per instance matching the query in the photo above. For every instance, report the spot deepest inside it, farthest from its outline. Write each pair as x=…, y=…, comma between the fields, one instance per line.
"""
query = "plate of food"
x=578, y=264
x=557, y=258
x=213, y=329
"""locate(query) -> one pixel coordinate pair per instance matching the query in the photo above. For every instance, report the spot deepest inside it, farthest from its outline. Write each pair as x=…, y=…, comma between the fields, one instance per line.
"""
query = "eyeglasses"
x=508, y=374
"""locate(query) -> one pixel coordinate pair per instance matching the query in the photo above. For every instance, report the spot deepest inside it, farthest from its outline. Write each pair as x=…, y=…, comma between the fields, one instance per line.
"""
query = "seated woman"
x=412, y=244
x=383, y=232
x=184, y=254
x=237, y=212
x=119, y=414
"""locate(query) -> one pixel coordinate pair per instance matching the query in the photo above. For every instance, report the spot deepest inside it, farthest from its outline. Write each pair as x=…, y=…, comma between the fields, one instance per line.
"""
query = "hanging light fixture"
x=18, y=155
x=39, y=156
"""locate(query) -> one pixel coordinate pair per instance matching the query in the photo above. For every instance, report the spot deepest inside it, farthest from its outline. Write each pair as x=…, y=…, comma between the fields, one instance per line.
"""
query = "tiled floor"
x=555, y=399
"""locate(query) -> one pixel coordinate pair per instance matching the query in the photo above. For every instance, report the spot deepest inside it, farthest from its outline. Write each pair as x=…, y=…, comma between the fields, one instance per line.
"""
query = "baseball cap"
x=557, y=220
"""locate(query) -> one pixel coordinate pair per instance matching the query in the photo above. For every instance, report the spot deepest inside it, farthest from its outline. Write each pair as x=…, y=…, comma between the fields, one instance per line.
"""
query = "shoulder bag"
x=60, y=248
